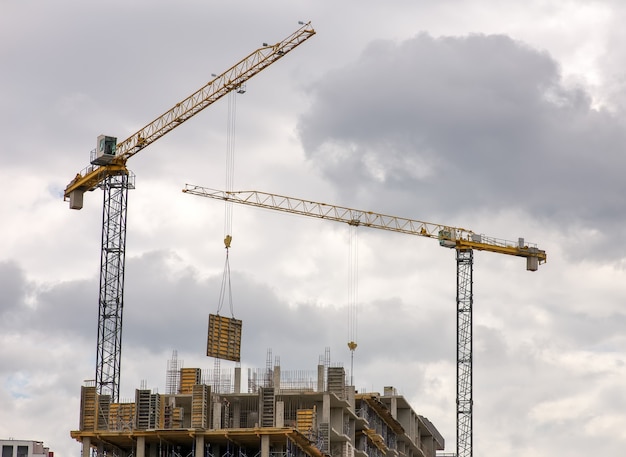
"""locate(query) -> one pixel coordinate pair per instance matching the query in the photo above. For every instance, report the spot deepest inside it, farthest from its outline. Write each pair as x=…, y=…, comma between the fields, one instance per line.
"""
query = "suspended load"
x=224, y=338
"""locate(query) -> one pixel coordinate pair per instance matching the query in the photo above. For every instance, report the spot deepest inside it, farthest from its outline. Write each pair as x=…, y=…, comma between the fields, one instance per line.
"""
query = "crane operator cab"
x=105, y=150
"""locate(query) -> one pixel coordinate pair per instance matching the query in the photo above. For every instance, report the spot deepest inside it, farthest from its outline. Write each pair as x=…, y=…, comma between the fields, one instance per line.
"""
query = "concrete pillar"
x=276, y=379
x=320, y=378
x=237, y=380
x=199, y=446
x=265, y=446
x=141, y=446
x=326, y=408
x=236, y=408
x=351, y=397
x=86, y=446
x=217, y=415
x=280, y=414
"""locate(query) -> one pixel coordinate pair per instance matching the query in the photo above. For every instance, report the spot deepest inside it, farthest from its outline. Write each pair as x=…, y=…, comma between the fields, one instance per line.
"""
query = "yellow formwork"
x=189, y=377
x=305, y=419
x=200, y=406
x=122, y=416
x=224, y=338
x=87, y=408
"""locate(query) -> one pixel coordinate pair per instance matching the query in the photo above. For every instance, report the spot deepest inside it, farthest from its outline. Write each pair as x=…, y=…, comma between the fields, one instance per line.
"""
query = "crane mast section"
x=230, y=80
x=451, y=237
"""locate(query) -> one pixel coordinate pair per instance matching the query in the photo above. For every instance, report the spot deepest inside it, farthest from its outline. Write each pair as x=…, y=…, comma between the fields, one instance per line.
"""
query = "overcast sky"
x=503, y=117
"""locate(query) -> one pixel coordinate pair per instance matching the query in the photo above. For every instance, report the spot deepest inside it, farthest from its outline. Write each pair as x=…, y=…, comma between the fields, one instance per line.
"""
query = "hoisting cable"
x=353, y=294
x=226, y=289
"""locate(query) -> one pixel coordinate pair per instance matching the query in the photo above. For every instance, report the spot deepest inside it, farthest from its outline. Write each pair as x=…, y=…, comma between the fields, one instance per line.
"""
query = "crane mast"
x=462, y=240
x=108, y=171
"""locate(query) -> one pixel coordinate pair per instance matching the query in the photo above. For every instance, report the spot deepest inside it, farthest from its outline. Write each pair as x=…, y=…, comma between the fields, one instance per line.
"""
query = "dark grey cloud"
x=14, y=288
x=73, y=71
x=460, y=124
x=430, y=128
x=167, y=310
x=55, y=313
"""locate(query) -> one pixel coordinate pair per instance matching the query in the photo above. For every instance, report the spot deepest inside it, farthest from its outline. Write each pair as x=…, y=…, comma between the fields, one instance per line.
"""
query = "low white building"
x=24, y=448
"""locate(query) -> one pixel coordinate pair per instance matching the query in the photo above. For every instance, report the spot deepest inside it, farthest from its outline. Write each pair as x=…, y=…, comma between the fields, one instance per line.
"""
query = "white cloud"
x=486, y=115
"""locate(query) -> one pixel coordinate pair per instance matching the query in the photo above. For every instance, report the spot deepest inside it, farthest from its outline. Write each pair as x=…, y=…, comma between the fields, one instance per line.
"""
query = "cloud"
x=483, y=121
x=14, y=288
x=461, y=124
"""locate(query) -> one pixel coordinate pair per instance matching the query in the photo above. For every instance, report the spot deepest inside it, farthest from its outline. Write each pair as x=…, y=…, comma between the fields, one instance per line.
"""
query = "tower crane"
x=462, y=240
x=108, y=171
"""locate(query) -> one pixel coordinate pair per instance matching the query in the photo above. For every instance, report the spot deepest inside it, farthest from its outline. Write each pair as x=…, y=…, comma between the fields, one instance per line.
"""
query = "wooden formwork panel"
x=122, y=416
x=102, y=411
x=177, y=417
x=336, y=381
x=200, y=402
x=87, y=408
x=172, y=417
x=305, y=419
x=155, y=404
x=224, y=338
x=189, y=377
x=165, y=416
x=147, y=406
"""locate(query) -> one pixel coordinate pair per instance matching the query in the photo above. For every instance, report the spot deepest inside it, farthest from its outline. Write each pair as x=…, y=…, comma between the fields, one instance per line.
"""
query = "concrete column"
x=276, y=379
x=326, y=408
x=320, y=378
x=265, y=446
x=141, y=446
x=86, y=446
x=236, y=408
x=351, y=397
x=199, y=446
x=237, y=380
x=280, y=414
x=217, y=415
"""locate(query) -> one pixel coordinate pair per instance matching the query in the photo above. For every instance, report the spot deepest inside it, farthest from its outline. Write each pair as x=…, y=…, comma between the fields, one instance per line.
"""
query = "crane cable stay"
x=463, y=241
x=108, y=171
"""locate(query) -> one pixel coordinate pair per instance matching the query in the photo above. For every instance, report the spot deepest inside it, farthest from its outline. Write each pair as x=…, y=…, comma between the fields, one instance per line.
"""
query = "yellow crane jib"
x=109, y=158
x=450, y=237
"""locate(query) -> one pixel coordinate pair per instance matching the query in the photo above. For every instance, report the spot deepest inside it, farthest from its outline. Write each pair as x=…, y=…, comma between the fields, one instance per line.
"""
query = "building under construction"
x=280, y=414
